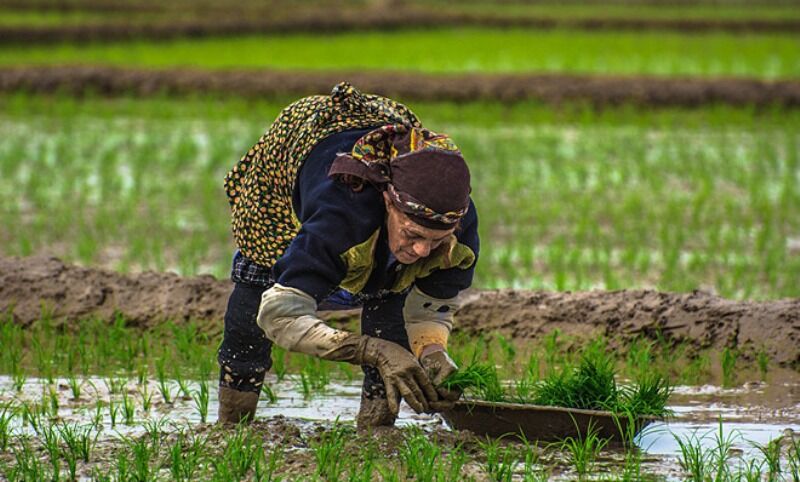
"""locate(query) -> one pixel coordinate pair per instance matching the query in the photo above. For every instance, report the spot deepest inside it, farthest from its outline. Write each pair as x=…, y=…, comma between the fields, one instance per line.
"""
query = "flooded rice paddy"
x=742, y=420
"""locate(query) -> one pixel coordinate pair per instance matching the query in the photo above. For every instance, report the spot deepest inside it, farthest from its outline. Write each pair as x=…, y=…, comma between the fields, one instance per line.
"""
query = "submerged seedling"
x=75, y=386
x=272, y=397
x=200, y=398
x=7, y=413
x=128, y=408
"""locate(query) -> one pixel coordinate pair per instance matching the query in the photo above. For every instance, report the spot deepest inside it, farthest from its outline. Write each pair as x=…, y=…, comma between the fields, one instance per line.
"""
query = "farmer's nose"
x=422, y=249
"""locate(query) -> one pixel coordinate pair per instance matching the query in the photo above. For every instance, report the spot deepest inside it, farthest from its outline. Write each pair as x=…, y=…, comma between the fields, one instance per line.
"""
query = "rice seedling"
x=161, y=376
x=728, y=362
x=7, y=412
x=184, y=457
x=128, y=408
x=97, y=418
x=200, y=398
x=721, y=452
x=154, y=430
x=762, y=358
x=793, y=458
x=419, y=456
x=141, y=373
x=696, y=370
x=582, y=451
x=771, y=451
x=146, y=395
x=272, y=397
x=267, y=464
x=33, y=414
x=752, y=471
x=142, y=454
x=79, y=440
x=113, y=411
x=50, y=441
x=693, y=459
x=501, y=461
x=183, y=386
x=389, y=473
x=123, y=467
x=648, y=395
x=328, y=448
x=314, y=376
x=18, y=379
x=50, y=398
x=27, y=465
x=305, y=386
x=361, y=469
x=479, y=378
x=116, y=385
x=242, y=448
x=75, y=386
x=509, y=352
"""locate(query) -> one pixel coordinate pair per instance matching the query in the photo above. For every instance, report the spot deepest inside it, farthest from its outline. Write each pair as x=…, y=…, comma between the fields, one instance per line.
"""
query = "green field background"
x=571, y=197
x=476, y=50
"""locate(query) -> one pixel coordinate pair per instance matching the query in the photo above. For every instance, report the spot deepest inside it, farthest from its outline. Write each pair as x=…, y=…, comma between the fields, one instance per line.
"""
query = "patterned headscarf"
x=422, y=171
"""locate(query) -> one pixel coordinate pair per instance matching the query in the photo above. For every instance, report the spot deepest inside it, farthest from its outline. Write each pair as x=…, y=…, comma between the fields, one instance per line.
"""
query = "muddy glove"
x=438, y=365
x=401, y=372
x=287, y=316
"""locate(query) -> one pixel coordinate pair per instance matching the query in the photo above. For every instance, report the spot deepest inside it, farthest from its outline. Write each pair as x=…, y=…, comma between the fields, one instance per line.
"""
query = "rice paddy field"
x=571, y=197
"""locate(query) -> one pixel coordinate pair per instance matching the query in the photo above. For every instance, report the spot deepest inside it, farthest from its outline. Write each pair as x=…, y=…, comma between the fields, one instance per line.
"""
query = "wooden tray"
x=538, y=422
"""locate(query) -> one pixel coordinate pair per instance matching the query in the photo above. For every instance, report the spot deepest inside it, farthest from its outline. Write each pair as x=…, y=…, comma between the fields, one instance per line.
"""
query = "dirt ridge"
x=378, y=20
x=71, y=293
x=549, y=88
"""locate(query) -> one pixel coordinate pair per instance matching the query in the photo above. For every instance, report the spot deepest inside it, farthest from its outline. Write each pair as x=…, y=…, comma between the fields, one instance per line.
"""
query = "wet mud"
x=550, y=88
x=338, y=21
x=70, y=293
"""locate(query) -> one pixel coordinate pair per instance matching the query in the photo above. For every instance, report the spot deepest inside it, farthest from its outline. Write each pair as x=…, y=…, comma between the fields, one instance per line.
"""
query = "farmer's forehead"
x=417, y=229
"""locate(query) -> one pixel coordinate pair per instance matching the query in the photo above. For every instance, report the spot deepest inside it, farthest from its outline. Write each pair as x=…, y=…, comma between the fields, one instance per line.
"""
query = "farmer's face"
x=409, y=241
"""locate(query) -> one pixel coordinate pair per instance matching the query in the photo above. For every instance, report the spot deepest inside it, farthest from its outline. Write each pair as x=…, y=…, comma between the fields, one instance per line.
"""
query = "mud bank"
x=337, y=21
x=549, y=88
x=70, y=293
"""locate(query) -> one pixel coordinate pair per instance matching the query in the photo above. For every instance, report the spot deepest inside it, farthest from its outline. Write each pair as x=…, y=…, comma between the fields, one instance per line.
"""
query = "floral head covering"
x=422, y=171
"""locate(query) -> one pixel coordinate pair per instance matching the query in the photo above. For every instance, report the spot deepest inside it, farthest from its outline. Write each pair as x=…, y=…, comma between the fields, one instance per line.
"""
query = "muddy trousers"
x=244, y=355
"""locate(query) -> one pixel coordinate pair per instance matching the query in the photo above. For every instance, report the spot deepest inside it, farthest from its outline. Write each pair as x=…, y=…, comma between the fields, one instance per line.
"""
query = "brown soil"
x=337, y=21
x=703, y=320
x=598, y=90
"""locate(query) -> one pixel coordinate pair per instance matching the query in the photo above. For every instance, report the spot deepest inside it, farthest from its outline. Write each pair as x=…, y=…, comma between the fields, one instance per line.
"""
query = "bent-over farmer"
x=348, y=200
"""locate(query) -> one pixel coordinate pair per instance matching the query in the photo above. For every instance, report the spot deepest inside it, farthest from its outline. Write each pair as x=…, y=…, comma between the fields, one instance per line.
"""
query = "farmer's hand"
x=438, y=365
x=401, y=373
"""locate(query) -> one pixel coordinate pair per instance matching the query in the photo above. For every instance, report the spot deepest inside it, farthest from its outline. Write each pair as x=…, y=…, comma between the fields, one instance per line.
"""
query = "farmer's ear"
x=386, y=200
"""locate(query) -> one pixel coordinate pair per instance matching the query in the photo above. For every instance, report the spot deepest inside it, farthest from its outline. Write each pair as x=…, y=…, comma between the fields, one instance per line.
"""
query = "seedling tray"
x=537, y=422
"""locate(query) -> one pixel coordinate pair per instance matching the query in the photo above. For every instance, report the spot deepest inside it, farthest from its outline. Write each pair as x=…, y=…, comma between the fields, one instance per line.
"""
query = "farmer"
x=347, y=200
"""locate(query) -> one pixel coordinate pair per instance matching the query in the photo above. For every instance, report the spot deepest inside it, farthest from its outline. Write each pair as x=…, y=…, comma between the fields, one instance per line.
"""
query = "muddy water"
x=752, y=414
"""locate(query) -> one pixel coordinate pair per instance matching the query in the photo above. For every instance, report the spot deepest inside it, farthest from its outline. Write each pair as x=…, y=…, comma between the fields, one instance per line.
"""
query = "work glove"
x=438, y=365
x=401, y=372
